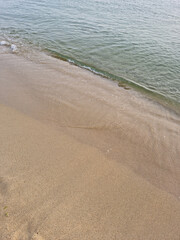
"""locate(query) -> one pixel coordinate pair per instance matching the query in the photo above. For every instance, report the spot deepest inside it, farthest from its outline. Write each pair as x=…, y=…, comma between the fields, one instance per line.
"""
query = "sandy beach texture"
x=82, y=159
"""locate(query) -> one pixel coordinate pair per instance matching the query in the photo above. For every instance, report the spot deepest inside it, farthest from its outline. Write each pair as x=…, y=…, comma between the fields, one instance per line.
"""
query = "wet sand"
x=81, y=158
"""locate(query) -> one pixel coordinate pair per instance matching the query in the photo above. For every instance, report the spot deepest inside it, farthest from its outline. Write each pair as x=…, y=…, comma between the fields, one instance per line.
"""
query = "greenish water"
x=137, y=42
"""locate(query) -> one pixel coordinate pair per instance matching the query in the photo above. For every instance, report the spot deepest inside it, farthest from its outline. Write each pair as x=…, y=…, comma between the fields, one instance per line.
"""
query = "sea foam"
x=13, y=47
x=4, y=43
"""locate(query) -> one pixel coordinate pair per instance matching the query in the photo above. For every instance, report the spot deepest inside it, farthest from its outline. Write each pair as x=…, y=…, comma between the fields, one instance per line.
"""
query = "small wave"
x=93, y=70
x=86, y=67
x=71, y=61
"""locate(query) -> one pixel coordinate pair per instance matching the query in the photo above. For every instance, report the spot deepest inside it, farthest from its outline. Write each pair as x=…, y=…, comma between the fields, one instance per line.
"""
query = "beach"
x=82, y=158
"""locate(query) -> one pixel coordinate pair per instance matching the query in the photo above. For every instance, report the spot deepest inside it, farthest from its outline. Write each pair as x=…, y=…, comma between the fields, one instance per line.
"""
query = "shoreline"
x=123, y=82
x=82, y=158
x=151, y=94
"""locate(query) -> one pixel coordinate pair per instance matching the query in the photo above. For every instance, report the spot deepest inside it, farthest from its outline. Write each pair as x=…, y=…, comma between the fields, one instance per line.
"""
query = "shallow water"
x=133, y=41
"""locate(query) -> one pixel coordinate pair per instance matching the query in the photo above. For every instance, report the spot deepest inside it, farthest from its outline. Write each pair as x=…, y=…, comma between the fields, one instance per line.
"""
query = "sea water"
x=132, y=41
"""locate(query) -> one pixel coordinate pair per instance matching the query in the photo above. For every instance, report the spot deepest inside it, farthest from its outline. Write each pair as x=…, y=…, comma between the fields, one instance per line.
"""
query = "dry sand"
x=81, y=158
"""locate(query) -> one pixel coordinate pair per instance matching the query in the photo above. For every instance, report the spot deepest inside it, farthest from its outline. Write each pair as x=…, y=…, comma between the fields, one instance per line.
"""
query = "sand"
x=81, y=158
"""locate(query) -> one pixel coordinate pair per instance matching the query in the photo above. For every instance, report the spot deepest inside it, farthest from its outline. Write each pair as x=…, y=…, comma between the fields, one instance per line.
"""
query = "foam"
x=4, y=43
x=13, y=47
